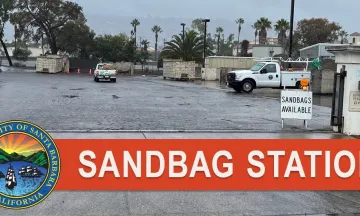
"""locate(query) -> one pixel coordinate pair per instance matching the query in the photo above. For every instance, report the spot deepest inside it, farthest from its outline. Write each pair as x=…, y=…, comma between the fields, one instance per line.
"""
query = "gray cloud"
x=114, y=16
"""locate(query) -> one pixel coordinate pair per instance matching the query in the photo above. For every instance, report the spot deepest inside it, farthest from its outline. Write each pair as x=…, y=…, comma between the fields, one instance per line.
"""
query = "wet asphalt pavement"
x=75, y=103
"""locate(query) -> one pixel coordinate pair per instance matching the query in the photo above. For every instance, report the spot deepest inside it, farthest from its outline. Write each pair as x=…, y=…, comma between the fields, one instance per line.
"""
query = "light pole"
x=183, y=25
x=205, y=22
x=291, y=27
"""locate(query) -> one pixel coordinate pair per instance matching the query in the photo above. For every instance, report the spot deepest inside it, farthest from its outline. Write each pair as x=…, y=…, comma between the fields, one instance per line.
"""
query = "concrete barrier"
x=210, y=74
x=176, y=69
x=322, y=81
x=229, y=62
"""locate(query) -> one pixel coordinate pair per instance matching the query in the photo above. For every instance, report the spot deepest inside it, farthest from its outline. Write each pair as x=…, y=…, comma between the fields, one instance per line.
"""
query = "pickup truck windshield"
x=257, y=67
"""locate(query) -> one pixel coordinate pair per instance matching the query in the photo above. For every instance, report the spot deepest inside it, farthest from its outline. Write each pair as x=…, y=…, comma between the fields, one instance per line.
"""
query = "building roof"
x=320, y=44
x=355, y=34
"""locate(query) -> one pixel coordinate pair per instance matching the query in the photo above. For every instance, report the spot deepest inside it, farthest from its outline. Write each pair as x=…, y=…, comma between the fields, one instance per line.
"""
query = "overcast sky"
x=110, y=16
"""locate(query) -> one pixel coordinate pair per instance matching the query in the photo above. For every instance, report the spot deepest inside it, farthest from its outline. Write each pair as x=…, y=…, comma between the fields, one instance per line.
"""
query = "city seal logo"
x=29, y=164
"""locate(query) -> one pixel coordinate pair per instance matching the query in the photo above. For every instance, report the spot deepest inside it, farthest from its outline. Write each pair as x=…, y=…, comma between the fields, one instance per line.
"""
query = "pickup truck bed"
x=105, y=72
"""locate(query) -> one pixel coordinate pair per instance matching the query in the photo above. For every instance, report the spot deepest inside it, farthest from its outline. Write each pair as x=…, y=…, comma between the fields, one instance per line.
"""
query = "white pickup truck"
x=104, y=71
x=266, y=74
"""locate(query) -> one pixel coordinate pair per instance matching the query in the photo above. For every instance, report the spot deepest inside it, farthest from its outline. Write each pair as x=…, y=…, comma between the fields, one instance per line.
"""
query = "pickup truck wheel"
x=247, y=86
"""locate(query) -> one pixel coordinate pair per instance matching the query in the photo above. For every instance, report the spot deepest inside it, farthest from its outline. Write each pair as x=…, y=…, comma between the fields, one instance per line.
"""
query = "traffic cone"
x=78, y=70
x=90, y=72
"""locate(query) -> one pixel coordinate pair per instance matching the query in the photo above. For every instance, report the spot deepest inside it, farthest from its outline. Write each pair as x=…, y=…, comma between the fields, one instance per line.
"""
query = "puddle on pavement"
x=77, y=89
x=70, y=96
x=184, y=104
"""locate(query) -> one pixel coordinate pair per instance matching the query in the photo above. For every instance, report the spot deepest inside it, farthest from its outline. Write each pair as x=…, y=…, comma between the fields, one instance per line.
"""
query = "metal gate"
x=337, y=100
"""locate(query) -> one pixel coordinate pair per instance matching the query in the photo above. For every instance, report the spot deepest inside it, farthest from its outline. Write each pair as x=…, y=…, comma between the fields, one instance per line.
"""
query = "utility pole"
x=140, y=45
x=205, y=22
x=291, y=27
x=183, y=36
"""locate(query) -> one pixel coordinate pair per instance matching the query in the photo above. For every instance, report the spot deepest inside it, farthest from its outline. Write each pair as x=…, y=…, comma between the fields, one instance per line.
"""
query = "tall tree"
x=219, y=32
x=256, y=27
x=135, y=23
x=228, y=45
x=198, y=26
x=282, y=26
x=144, y=55
x=240, y=22
x=38, y=36
x=343, y=34
x=317, y=30
x=189, y=48
x=244, y=48
x=109, y=48
x=77, y=39
x=263, y=24
x=156, y=29
x=6, y=6
x=49, y=16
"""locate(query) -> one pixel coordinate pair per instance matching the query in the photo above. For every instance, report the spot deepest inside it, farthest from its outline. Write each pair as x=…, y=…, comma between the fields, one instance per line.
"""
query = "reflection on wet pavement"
x=319, y=100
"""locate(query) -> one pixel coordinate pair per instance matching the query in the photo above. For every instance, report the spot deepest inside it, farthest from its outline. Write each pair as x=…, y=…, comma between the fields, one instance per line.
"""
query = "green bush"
x=21, y=54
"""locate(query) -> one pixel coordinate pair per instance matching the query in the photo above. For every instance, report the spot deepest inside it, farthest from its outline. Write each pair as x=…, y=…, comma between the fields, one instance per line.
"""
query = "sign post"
x=297, y=104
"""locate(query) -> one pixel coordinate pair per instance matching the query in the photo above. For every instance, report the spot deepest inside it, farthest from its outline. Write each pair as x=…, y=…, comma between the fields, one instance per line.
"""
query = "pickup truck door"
x=270, y=75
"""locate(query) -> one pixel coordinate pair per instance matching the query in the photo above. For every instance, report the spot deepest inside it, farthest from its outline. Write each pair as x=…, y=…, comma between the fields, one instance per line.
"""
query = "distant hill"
x=39, y=158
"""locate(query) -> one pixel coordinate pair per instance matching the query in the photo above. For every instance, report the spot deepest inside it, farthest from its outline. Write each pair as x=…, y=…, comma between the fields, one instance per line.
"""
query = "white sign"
x=296, y=104
x=354, y=102
x=358, y=75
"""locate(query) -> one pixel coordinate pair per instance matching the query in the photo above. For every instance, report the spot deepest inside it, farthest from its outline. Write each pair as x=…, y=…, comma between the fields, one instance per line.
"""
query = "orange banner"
x=209, y=164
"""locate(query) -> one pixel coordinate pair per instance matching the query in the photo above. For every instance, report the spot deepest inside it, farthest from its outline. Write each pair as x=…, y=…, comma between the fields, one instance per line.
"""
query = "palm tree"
x=219, y=32
x=189, y=48
x=263, y=24
x=145, y=44
x=282, y=26
x=239, y=21
x=134, y=24
x=144, y=55
x=343, y=34
x=256, y=27
x=156, y=29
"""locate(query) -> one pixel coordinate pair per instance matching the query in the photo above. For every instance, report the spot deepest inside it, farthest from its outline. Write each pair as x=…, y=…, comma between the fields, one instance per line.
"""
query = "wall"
x=322, y=82
x=124, y=67
x=229, y=62
x=210, y=74
x=263, y=51
x=179, y=69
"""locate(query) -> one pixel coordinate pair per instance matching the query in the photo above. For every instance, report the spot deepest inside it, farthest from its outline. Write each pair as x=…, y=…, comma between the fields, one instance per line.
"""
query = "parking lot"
x=76, y=102
x=150, y=107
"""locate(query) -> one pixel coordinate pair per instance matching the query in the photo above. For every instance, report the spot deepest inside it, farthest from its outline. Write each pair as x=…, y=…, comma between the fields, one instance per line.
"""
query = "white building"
x=269, y=41
x=318, y=51
x=267, y=50
x=354, y=38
